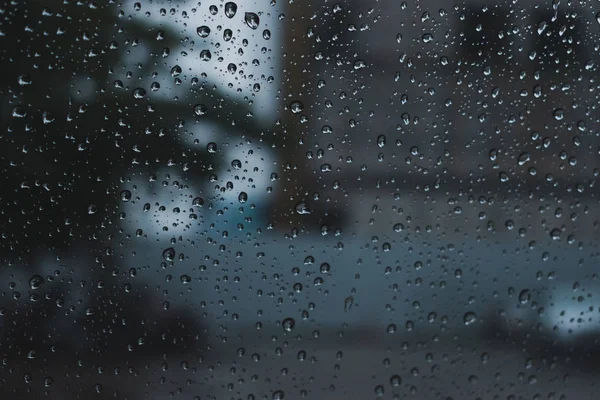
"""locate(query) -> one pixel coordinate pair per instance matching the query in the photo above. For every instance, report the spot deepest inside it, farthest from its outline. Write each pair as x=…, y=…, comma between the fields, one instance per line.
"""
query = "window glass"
x=349, y=199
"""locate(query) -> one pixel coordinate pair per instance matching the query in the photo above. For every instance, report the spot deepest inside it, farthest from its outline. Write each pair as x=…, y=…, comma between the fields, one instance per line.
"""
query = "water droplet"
x=559, y=114
x=469, y=318
x=348, y=302
x=175, y=71
x=125, y=195
x=139, y=93
x=524, y=158
x=541, y=27
x=303, y=209
x=288, y=324
x=230, y=9
x=203, y=31
x=169, y=254
x=296, y=106
x=227, y=35
x=278, y=395
x=185, y=279
x=198, y=202
x=36, y=282
x=252, y=20
x=395, y=381
x=205, y=55
x=200, y=109
x=524, y=296
x=243, y=197
x=211, y=147
x=266, y=34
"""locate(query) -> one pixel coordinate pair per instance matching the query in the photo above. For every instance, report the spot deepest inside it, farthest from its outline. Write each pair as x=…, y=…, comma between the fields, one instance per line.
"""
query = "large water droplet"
x=252, y=20
x=230, y=9
x=169, y=254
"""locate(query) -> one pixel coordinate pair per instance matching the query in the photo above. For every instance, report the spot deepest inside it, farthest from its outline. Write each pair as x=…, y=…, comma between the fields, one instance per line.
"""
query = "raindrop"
x=203, y=31
x=252, y=20
x=303, y=209
x=169, y=254
x=243, y=197
x=200, y=109
x=211, y=147
x=541, y=27
x=395, y=380
x=205, y=55
x=469, y=318
x=296, y=107
x=524, y=296
x=230, y=9
x=176, y=70
x=36, y=282
x=125, y=196
x=348, y=303
x=139, y=93
x=559, y=114
x=288, y=324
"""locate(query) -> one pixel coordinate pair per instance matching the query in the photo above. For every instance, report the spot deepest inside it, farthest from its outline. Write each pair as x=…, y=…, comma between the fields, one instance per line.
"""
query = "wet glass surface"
x=303, y=199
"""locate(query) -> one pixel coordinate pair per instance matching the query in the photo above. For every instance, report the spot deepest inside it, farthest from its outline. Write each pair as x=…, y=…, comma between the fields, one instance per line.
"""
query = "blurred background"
x=267, y=200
